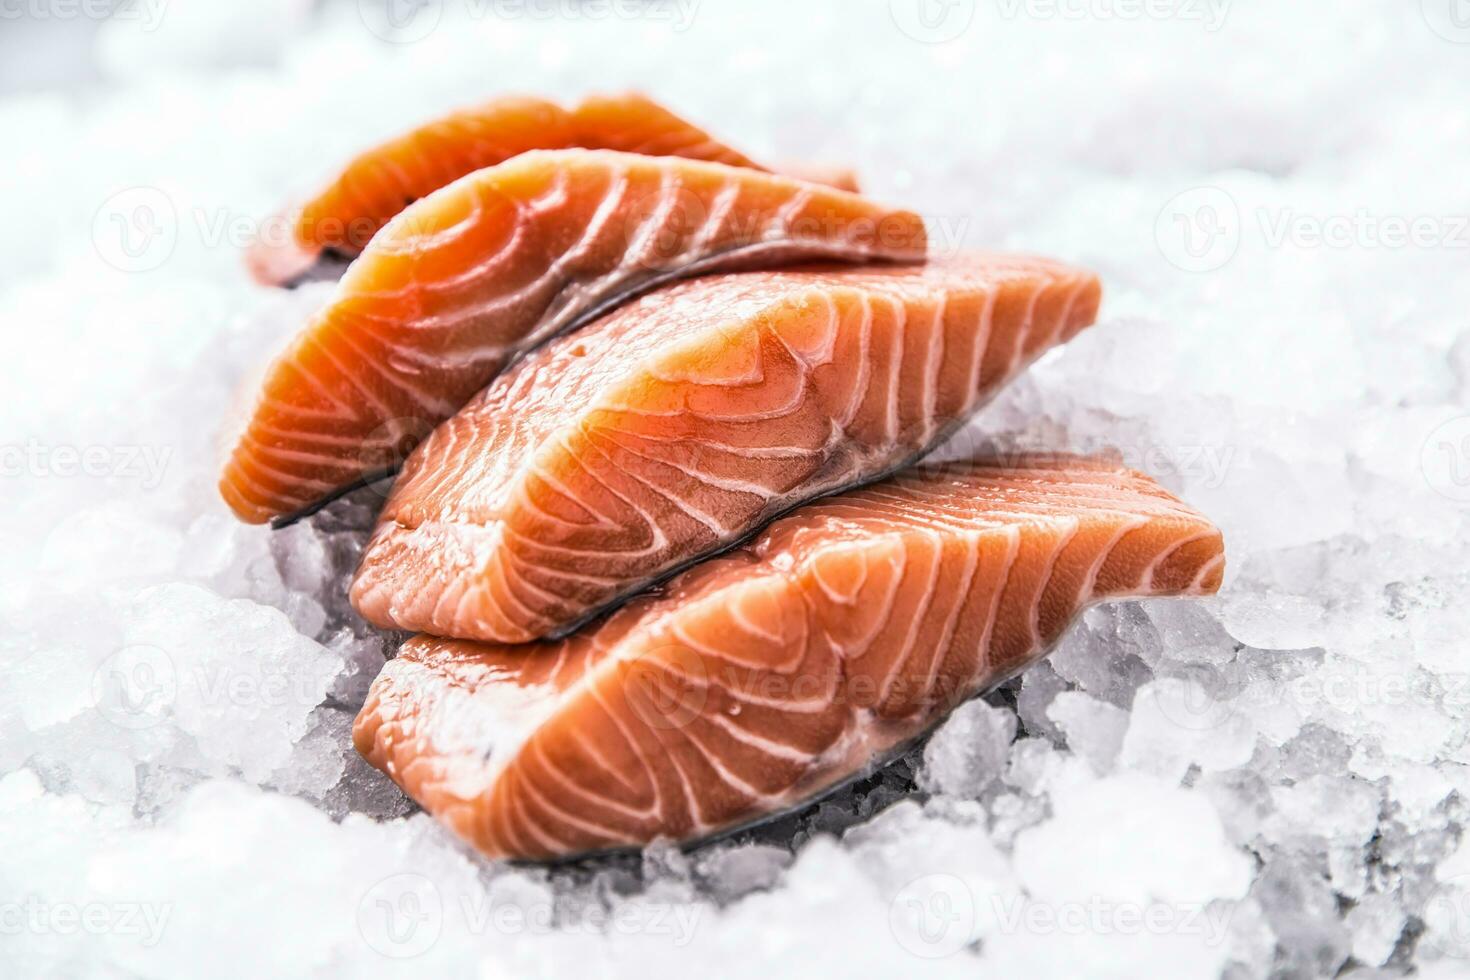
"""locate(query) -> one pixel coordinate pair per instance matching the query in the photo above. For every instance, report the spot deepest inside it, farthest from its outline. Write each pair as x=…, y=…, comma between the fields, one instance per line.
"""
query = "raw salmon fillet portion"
x=682, y=422
x=496, y=263
x=761, y=678
x=380, y=182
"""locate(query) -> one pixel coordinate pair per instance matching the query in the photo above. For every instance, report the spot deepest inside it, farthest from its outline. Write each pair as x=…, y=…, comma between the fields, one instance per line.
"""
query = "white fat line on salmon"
x=677, y=921
x=1211, y=13
x=679, y=13
x=794, y=222
x=34, y=458
x=1098, y=916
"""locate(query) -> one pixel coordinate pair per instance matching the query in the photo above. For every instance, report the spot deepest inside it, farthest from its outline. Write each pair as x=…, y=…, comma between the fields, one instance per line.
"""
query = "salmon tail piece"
x=681, y=423
x=482, y=270
x=762, y=678
x=338, y=221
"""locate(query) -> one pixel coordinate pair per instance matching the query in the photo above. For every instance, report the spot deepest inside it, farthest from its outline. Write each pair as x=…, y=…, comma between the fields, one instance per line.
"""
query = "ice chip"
x=969, y=750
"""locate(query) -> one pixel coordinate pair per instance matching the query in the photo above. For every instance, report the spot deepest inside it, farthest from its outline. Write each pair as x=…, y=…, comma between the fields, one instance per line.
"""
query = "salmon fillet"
x=842, y=178
x=496, y=263
x=680, y=423
x=761, y=678
x=378, y=183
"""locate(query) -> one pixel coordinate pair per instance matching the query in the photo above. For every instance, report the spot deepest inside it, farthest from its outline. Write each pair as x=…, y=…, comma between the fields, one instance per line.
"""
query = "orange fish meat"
x=472, y=276
x=682, y=422
x=343, y=216
x=759, y=679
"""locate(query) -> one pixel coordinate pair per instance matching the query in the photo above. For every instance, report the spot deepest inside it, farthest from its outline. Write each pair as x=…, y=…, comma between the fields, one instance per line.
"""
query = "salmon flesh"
x=682, y=422
x=466, y=279
x=343, y=216
x=761, y=678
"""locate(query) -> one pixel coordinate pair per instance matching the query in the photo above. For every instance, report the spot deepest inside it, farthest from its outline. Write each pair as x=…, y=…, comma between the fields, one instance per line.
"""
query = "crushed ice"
x=1273, y=782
